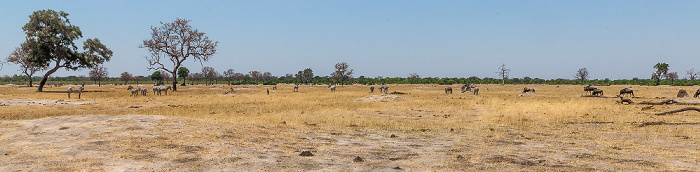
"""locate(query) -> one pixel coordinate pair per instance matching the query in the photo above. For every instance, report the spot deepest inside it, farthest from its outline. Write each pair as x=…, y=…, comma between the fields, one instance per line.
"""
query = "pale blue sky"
x=546, y=39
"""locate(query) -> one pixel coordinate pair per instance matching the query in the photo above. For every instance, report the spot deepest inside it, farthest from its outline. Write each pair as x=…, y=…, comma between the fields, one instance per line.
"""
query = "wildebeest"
x=597, y=92
x=296, y=88
x=371, y=89
x=626, y=91
x=448, y=90
x=525, y=90
x=589, y=88
x=78, y=90
x=274, y=87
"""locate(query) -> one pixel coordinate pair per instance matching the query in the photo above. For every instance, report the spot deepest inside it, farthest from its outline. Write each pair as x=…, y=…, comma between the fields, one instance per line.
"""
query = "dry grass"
x=496, y=128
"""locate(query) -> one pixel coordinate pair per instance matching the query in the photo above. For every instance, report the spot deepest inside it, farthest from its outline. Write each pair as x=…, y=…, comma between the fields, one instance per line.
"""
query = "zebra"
x=525, y=90
x=448, y=90
x=134, y=91
x=597, y=91
x=332, y=88
x=697, y=93
x=78, y=90
x=384, y=88
x=157, y=90
x=296, y=88
x=589, y=88
x=144, y=91
x=274, y=87
x=627, y=91
x=476, y=91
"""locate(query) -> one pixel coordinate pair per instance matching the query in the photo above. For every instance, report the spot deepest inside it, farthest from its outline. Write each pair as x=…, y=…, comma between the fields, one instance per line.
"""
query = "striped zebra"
x=296, y=88
x=78, y=90
x=157, y=90
x=332, y=88
x=134, y=91
x=384, y=88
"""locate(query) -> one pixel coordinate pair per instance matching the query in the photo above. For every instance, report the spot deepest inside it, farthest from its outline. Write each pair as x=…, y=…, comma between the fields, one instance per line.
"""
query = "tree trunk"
x=174, y=83
x=46, y=78
x=30, y=81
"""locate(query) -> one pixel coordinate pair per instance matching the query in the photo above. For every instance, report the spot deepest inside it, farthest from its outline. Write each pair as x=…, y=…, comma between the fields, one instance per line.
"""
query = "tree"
x=305, y=75
x=177, y=41
x=238, y=76
x=98, y=73
x=50, y=42
x=165, y=75
x=503, y=73
x=582, y=74
x=256, y=75
x=157, y=77
x=661, y=71
x=19, y=57
x=672, y=76
x=342, y=72
x=183, y=72
x=209, y=74
x=228, y=75
x=692, y=75
x=267, y=76
x=126, y=76
x=413, y=77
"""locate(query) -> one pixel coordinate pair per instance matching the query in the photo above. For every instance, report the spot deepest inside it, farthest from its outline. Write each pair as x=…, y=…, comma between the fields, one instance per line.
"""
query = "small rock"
x=460, y=157
x=306, y=153
x=392, y=136
x=284, y=122
x=358, y=159
x=397, y=168
x=452, y=129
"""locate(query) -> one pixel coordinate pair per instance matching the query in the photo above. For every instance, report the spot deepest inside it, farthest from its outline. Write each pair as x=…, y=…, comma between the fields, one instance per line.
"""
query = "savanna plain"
x=242, y=128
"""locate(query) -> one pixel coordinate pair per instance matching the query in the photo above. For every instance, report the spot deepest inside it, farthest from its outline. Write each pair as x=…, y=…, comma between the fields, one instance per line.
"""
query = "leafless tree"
x=196, y=76
x=692, y=75
x=98, y=73
x=255, y=75
x=413, y=77
x=267, y=76
x=342, y=72
x=126, y=76
x=582, y=74
x=177, y=41
x=503, y=73
x=20, y=57
x=671, y=76
x=238, y=76
x=165, y=75
x=209, y=74
x=228, y=75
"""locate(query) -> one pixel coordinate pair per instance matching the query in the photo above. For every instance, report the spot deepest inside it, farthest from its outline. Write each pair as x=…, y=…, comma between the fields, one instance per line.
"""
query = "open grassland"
x=200, y=127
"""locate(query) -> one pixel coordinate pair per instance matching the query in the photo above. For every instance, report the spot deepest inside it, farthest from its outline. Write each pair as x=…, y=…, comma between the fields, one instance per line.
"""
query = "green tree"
x=176, y=42
x=342, y=72
x=157, y=77
x=661, y=71
x=183, y=73
x=19, y=57
x=50, y=42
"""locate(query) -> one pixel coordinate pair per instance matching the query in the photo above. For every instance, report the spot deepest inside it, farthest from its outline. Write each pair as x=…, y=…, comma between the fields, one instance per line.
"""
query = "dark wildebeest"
x=697, y=93
x=448, y=90
x=296, y=88
x=525, y=90
x=626, y=91
x=589, y=88
x=597, y=92
x=476, y=91
x=371, y=89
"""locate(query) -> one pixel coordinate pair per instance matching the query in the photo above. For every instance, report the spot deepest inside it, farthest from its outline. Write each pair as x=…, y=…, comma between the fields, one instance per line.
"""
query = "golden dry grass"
x=486, y=131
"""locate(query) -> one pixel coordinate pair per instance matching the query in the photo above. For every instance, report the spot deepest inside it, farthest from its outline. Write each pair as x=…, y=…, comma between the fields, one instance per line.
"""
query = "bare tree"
x=228, y=75
x=692, y=75
x=98, y=73
x=165, y=75
x=267, y=76
x=503, y=73
x=177, y=41
x=126, y=76
x=413, y=77
x=238, y=76
x=209, y=73
x=342, y=72
x=582, y=74
x=671, y=76
x=20, y=57
x=256, y=75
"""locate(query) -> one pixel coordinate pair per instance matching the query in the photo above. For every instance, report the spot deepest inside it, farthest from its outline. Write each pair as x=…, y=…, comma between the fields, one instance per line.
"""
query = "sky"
x=547, y=39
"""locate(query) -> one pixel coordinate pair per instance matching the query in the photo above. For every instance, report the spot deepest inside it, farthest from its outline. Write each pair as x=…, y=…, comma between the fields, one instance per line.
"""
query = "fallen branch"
x=600, y=96
x=667, y=123
x=669, y=101
x=679, y=110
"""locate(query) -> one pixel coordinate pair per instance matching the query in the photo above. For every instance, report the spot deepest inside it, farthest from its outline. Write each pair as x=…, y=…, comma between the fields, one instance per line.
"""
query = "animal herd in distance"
x=158, y=90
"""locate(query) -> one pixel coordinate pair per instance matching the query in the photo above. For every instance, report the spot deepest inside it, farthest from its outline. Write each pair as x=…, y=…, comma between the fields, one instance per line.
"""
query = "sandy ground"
x=158, y=143
x=20, y=102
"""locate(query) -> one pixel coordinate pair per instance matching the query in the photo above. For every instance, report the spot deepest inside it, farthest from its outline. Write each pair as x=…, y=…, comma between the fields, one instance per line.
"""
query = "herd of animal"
x=157, y=90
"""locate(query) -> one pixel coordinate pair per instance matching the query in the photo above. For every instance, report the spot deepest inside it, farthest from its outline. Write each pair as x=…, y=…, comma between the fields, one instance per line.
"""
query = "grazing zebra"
x=78, y=90
x=597, y=92
x=476, y=91
x=589, y=88
x=144, y=91
x=448, y=90
x=371, y=89
x=384, y=88
x=627, y=91
x=525, y=90
x=157, y=90
x=332, y=88
x=296, y=88
x=134, y=91
x=697, y=93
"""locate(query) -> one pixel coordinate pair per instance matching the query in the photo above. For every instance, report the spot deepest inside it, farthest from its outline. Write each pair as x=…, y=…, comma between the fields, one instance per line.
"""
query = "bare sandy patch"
x=25, y=102
x=380, y=98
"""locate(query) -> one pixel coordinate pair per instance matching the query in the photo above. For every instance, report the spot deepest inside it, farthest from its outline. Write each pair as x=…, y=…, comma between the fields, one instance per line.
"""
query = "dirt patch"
x=25, y=102
x=380, y=98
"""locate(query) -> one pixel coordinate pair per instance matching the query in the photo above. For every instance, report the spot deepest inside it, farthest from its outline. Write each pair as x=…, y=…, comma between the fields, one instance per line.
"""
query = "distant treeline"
x=20, y=80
